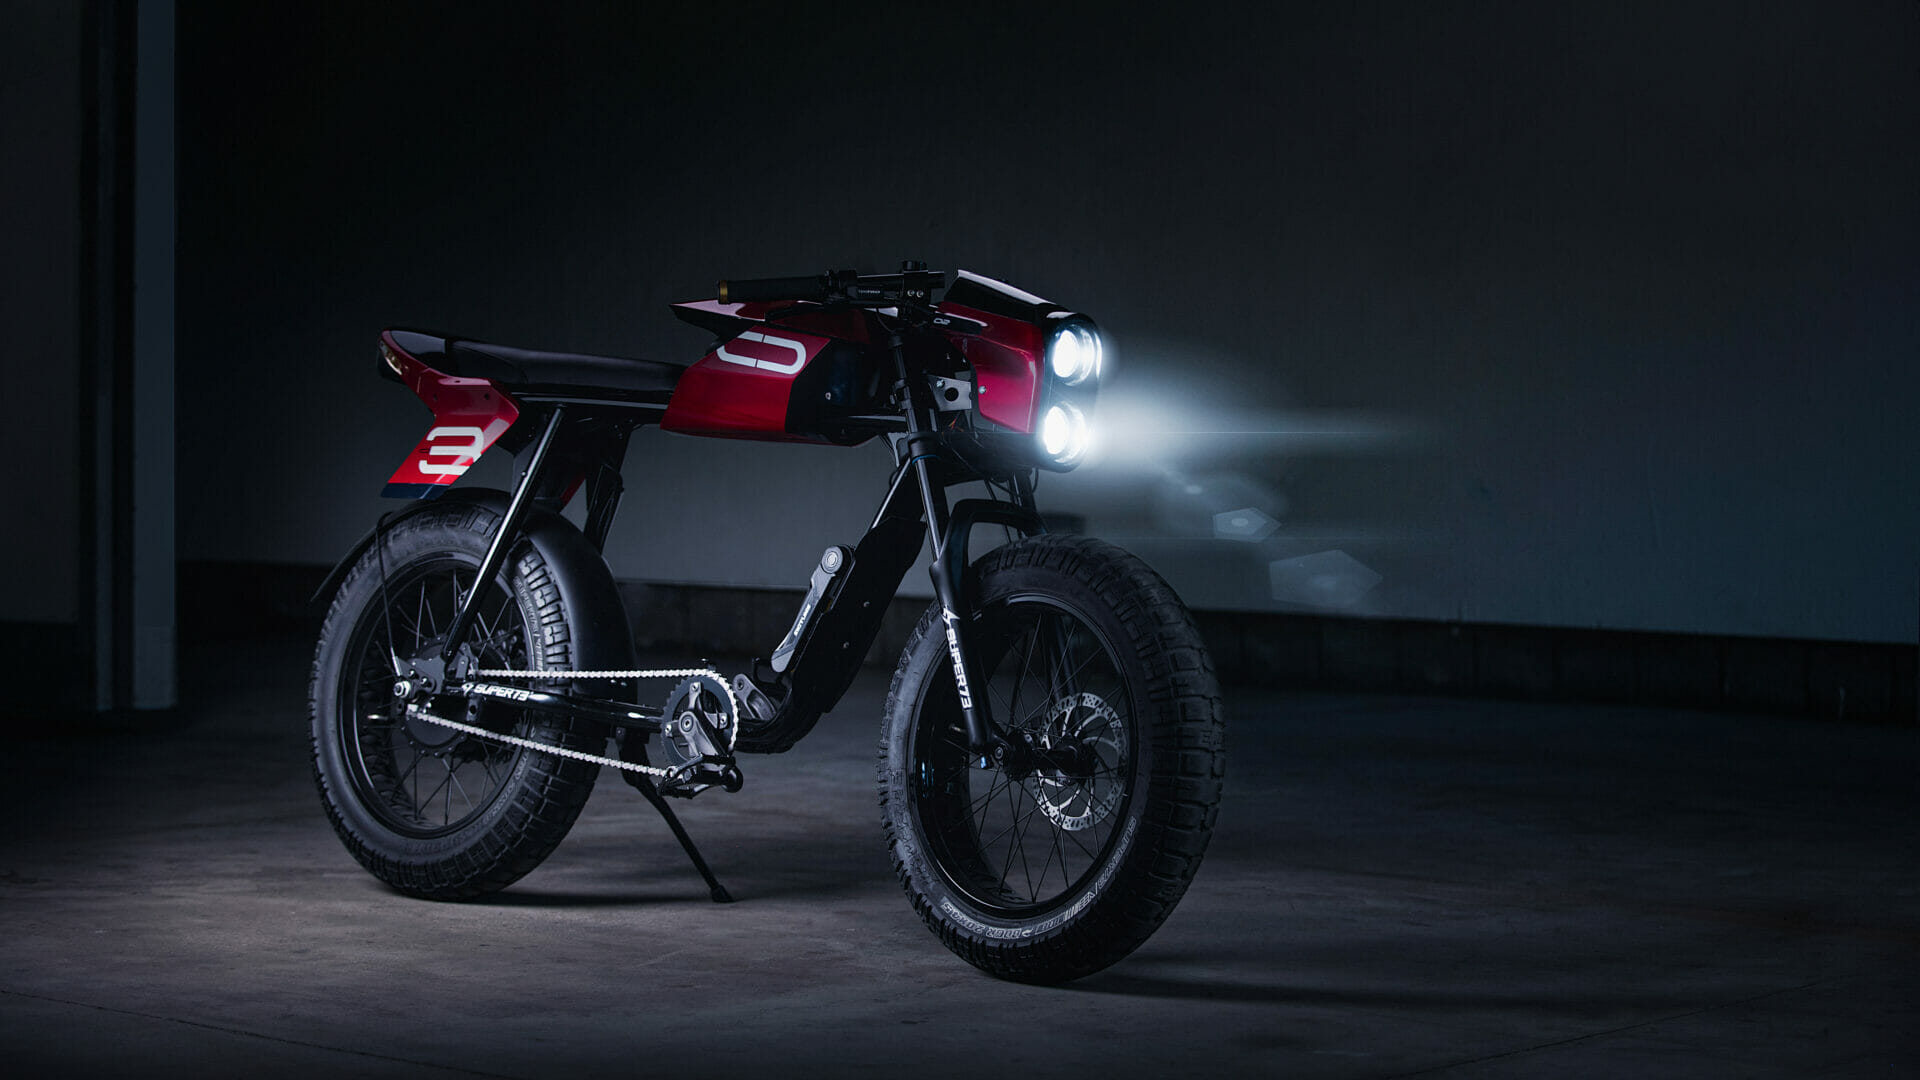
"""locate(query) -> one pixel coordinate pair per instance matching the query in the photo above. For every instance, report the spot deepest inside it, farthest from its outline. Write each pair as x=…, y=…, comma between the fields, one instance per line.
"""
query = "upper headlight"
x=1074, y=354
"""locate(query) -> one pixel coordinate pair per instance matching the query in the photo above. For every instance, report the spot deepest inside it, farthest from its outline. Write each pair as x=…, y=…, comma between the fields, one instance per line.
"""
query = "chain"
x=419, y=713
x=671, y=775
x=561, y=676
x=733, y=702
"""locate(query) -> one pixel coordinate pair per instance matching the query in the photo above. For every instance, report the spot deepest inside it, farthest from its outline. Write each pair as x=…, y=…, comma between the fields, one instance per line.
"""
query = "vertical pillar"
x=127, y=349
x=152, y=602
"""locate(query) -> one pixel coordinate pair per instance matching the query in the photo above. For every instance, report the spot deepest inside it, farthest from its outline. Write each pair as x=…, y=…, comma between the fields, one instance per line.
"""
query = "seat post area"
x=503, y=534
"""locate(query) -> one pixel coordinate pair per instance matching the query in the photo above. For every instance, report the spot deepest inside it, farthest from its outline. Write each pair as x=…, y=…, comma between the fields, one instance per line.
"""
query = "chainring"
x=699, y=713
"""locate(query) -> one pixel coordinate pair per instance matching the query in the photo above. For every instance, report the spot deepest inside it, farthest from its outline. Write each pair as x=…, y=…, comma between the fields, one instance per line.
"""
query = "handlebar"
x=913, y=286
x=748, y=290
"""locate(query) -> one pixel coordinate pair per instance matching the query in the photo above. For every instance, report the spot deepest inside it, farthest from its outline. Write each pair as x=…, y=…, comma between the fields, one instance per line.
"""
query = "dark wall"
x=1499, y=312
x=40, y=126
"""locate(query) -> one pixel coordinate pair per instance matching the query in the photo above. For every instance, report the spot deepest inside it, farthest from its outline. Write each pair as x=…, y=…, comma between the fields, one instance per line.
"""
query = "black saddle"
x=530, y=369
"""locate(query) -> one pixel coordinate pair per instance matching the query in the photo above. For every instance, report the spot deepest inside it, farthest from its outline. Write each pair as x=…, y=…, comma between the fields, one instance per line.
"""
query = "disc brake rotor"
x=1087, y=723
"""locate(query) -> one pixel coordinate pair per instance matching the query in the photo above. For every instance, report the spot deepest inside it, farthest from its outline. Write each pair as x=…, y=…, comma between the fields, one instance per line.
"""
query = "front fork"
x=949, y=530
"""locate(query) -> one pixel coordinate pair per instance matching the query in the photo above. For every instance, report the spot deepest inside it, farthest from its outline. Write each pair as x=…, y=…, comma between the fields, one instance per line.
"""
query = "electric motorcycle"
x=1050, y=756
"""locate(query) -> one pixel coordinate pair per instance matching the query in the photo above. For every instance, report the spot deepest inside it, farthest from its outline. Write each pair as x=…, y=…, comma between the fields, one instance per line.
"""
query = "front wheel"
x=1055, y=862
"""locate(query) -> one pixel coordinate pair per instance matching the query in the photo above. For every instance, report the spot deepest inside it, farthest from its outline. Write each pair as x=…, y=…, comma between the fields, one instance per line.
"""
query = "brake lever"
x=866, y=298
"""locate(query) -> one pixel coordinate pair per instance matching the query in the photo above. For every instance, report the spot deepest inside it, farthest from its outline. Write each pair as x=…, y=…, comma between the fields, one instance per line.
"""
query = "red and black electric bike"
x=1050, y=758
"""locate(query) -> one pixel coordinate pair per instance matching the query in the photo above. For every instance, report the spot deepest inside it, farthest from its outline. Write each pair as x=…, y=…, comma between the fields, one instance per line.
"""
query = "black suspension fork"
x=503, y=535
x=948, y=537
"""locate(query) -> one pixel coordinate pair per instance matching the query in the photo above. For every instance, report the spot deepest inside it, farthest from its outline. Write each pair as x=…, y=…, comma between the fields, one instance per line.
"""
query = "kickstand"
x=645, y=784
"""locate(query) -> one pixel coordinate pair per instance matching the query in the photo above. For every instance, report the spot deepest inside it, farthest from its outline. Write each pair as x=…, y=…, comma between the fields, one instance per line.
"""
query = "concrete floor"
x=1398, y=886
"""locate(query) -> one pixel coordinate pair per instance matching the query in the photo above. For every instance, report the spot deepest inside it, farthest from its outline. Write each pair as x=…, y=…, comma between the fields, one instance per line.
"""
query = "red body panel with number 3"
x=469, y=415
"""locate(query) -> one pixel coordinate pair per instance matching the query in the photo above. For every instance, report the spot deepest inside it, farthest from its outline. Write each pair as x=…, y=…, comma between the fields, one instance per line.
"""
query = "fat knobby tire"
x=1179, y=725
x=543, y=793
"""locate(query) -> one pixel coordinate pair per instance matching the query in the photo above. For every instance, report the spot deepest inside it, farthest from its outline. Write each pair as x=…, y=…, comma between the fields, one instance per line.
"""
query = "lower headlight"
x=1063, y=433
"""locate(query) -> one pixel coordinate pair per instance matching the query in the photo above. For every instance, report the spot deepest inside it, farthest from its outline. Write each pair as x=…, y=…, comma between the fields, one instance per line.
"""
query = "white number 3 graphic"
x=459, y=455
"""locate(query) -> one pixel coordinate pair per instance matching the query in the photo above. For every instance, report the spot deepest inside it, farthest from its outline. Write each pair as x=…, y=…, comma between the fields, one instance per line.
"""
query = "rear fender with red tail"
x=469, y=416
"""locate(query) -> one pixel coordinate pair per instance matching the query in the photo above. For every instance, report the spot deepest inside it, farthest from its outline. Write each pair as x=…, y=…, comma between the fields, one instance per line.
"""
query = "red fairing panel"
x=741, y=389
x=1006, y=359
x=469, y=415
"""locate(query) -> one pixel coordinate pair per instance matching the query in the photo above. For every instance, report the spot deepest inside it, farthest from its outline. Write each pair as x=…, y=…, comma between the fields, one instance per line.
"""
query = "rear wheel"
x=432, y=811
x=1063, y=857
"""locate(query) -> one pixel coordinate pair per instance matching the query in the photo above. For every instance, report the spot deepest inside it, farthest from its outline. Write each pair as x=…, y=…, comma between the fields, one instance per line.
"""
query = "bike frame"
x=571, y=441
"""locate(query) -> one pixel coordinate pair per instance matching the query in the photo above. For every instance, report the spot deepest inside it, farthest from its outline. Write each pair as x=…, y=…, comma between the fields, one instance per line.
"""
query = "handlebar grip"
x=748, y=290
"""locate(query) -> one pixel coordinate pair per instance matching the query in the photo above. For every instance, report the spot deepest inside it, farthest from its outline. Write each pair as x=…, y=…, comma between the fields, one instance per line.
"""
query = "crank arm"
x=613, y=713
x=701, y=775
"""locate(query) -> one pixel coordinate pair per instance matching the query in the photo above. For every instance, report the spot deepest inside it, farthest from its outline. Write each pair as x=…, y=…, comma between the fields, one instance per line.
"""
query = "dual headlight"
x=1075, y=355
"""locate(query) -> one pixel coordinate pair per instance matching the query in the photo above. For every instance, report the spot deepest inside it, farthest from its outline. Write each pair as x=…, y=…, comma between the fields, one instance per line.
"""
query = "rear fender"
x=603, y=637
x=469, y=416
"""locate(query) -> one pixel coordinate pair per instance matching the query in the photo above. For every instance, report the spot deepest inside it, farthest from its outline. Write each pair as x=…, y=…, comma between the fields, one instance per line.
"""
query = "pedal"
x=707, y=774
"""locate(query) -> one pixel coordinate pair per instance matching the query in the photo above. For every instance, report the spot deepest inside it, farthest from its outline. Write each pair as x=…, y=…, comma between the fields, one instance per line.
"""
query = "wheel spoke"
x=420, y=617
x=427, y=803
x=482, y=631
x=1027, y=843
x=408, y=623
x=1081, y=666
x=1026, y=665
x=454, y=775
x=1013, y=812
x=1052, y=850
x=1059, y=676
x=1075, y=837
x=983, y=800
x=1020, y=841
x=411, y=765
x=1014, y=817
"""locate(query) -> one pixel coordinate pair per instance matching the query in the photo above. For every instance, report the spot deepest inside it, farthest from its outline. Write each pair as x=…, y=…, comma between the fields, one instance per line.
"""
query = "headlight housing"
x=1037, y=368
x=1075, y=359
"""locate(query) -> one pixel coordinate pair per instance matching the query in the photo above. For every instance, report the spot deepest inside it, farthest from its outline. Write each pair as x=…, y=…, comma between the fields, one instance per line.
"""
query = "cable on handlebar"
x=912, y=286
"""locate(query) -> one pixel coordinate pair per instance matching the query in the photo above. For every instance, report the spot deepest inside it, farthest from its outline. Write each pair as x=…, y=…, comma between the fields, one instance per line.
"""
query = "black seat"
x=528, y=368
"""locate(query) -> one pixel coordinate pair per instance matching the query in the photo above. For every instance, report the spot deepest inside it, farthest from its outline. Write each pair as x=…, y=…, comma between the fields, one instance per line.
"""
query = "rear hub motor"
x=427, y=682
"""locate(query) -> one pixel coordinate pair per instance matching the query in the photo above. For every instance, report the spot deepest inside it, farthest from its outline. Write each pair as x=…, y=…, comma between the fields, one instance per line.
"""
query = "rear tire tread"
x=539, y=811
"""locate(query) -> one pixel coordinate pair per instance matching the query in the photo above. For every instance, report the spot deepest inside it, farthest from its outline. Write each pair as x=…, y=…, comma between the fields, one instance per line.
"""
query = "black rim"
x=420, y=779
x=1015, y=842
